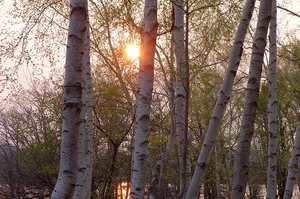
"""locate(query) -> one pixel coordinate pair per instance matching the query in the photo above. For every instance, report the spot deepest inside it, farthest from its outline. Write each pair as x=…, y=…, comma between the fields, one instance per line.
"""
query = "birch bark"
x=293, y=165
x=241, y=164
x=80, y=188
x=143, y=99
x=181, y=96
x=220, y=106
x=67, y=178
x=89, y=149
x=83, y=189
x=273, y=108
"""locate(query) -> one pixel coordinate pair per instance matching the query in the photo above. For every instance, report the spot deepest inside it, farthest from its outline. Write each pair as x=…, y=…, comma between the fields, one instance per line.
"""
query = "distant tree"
x=113, y=128
x=29, y=133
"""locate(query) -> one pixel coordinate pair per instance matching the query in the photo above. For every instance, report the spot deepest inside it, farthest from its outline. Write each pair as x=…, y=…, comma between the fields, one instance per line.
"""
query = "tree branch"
x=289, y=11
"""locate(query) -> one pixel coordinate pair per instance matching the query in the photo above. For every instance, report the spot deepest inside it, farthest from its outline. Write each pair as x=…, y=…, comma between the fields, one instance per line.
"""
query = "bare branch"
x=289, y=11
x=288, y=58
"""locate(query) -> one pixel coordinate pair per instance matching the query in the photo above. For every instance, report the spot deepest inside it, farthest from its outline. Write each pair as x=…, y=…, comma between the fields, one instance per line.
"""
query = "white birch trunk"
x=90, y=126
x=81, y=189
x=66, y=182
x=220, y=106
x=181, y=96
x=241, y=164
x=293, y=165
x=273, y=106
x=143, y=99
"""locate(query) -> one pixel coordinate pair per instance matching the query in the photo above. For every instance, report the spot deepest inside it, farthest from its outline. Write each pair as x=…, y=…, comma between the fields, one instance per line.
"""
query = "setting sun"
x=132, y=51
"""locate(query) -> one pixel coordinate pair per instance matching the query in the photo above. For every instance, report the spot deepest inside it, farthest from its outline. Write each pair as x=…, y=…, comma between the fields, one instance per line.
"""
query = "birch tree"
x=143, y=99
x=220, y=106
x=273, y=108
x=293, y=165
x=287, y=82
x=85, y=139
x=181, y=97
x=89, y=149
x=241, y=164
x=75, y=60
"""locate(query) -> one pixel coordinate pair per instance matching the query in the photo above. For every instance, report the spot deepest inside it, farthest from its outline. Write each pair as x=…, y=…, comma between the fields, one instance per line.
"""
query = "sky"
x=34, y=70
x=286, y=23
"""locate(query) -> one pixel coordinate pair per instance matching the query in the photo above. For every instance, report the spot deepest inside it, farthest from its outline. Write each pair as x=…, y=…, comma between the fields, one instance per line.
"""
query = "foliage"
x=30, y=129
x=30, y=126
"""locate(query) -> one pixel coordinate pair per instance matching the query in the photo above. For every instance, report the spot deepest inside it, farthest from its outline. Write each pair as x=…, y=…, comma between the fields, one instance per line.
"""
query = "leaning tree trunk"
x=143, y=99
x=241, y=164
x=273, y=104
x=181, y=96
x=220, y=106
x=293, y=165
x=65, y=185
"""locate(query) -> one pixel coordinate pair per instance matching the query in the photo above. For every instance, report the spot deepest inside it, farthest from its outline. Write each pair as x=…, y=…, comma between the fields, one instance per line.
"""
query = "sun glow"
x=132, y=51
x=123, y=190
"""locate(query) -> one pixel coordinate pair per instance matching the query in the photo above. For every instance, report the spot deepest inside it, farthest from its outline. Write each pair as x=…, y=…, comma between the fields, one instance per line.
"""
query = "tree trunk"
x=181, y=96
x=273, y=112
x=80, y=187
x=66, y=182
x=90, y=126
x=241, y=164
x=293, y=165
x=143, y=99
x=85, y=140
x=220, y=106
